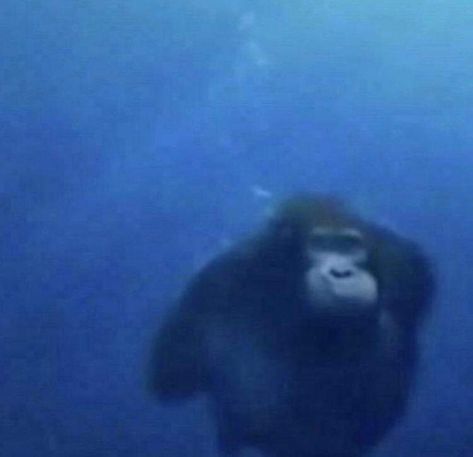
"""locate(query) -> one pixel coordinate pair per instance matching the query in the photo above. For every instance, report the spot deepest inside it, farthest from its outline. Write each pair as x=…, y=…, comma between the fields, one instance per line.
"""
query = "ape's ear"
x=281, y=229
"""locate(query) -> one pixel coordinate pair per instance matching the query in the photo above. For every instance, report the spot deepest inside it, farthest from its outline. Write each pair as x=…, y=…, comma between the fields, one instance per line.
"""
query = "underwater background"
x=140, y=138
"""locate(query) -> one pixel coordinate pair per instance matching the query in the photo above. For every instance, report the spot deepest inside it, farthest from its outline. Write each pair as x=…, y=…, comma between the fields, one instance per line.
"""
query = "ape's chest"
x=261, y=389
x=344, y=390
x=257, y=376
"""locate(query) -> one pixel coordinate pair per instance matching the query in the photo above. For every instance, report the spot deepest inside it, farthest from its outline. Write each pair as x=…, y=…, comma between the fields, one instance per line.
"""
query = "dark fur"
x=278, y=378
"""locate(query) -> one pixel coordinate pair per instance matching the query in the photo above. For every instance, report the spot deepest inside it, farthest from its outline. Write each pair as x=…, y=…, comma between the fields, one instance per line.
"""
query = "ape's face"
x=338, y=282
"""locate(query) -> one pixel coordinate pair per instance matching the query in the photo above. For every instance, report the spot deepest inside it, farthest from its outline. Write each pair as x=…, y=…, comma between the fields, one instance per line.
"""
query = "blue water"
x=139, y=138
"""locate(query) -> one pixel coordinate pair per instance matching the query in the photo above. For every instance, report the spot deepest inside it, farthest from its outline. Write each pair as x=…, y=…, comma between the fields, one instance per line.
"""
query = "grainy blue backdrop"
x=139, y=138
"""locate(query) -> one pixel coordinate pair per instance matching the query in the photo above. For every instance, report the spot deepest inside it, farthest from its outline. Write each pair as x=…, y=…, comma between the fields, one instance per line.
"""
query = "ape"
x=304, y=337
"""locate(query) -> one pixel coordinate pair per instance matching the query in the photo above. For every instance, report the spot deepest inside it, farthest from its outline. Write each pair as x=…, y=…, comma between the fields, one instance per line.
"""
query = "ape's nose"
x=341, y=273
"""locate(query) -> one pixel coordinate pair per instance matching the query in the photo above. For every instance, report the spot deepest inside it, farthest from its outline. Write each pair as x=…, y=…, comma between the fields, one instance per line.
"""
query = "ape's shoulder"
x=214, y=285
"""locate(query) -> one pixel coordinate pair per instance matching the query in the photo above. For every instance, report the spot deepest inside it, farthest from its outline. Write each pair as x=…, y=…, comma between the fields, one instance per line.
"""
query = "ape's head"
x=338, y=279
x=335, y=258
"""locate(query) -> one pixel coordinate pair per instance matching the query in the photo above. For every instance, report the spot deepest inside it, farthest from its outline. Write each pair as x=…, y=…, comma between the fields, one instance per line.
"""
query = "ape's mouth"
x=352, y=295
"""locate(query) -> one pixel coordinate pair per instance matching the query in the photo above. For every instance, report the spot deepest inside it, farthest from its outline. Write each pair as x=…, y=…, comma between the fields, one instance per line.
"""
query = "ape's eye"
x=348, y=242
x=343, y=241
x=321, y=242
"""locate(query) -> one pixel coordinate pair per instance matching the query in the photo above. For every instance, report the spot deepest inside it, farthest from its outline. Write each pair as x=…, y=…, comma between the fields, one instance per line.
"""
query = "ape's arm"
x=407, y=280
x=178, y=365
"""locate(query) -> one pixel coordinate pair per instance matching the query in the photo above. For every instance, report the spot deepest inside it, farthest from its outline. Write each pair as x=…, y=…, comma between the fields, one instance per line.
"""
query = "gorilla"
x=303, y=336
